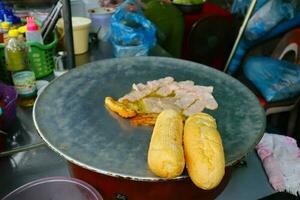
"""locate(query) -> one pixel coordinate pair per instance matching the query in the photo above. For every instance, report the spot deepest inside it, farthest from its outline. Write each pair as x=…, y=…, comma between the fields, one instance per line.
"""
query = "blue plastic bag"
x=275, y=79
x=131, y=33
x=268, y=16
x=241, y=6
x=7, y=13
x=245, y=45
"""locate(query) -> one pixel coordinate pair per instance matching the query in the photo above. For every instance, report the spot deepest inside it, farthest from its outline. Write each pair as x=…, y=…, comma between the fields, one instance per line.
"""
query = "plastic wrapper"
x=131, y=33
x=268, y=16
x=275, y=79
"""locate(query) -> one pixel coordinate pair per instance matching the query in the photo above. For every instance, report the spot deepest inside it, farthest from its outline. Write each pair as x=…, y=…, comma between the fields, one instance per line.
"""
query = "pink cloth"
x=280, y=156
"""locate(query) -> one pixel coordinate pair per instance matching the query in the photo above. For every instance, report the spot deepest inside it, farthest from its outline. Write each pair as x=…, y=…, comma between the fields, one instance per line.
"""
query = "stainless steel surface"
x=73, y=121
x=246, y=183
x=24, y=136
x=241, y=32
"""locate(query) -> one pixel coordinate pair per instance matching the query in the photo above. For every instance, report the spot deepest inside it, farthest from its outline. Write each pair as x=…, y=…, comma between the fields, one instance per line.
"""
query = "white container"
x=91, y=4
x=101, y=18
x=78, y=8
x=81, y=27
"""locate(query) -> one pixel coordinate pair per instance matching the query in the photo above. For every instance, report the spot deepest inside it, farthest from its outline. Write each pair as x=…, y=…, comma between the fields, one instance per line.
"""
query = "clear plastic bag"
x=268, y=16
x=131, y=33
x=275, y=79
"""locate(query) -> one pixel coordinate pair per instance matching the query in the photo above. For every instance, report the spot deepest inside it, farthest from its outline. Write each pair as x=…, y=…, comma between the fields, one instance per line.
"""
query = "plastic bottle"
x=1, y=33
x=32, y=32
x=5, y=28
x=22, y=31
x=22, y=75
x=60, y=64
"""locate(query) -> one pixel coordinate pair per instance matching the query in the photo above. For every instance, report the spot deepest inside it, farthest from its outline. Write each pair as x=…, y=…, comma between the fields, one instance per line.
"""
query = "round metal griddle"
x=71, y=117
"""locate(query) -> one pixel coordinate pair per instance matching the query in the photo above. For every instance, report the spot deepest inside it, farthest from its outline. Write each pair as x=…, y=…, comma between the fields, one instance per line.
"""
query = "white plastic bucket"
x=78, y=8
x=101, y=18
x=81, y=27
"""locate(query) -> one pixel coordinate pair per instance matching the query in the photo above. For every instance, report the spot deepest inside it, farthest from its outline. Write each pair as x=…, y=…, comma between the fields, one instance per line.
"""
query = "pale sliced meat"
x=185, y=101
x=188, y=97
x=135, y=95
x=166, y=80
x=151, y=105
x=200, y=88
x=210, y=101
x=181, y=93
x=165, y=91
x=139, y=86
x=195, y=108
x=173, y=106
x=155, y=84
x=174, y=86
x=132, y=96
x=185, y=84
x=140, y=90
x=157, y=105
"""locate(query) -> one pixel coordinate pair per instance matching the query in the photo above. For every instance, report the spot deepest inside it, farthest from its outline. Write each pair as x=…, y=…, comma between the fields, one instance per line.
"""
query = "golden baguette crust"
x=203, y=149
x=165, y=154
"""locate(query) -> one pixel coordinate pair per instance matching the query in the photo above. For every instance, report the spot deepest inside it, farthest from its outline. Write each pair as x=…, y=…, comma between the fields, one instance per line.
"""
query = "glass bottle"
x=22, y=75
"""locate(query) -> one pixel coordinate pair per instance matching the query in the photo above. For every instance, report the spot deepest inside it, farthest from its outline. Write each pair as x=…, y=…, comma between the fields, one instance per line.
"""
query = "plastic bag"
x=8, y=98
x=275, y=79
x=131, y=33
x=271, y=14
x=241, y=6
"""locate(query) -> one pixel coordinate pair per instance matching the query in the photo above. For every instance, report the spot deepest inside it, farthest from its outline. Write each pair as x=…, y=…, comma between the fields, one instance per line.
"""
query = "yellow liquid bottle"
x=23, y=77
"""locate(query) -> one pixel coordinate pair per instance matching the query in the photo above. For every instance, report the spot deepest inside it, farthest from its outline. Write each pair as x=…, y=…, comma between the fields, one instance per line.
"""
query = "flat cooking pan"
x=70, y=115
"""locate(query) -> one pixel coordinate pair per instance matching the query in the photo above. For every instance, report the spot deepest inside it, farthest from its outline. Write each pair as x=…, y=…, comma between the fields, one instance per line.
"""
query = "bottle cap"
x=22, y=29
x=31, y=26
x=5, y=25
x=13, y=33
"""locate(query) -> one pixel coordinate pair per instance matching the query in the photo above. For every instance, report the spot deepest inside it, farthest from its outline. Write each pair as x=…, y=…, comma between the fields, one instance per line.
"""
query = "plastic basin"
x=55, y=188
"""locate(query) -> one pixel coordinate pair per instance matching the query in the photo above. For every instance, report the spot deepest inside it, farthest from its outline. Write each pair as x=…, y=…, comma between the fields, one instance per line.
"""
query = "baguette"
x=165, y=154
x=203, y=149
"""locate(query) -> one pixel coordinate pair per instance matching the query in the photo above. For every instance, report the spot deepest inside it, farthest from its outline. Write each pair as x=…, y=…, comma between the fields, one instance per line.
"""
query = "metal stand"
x=21, y=149
x=67, y=15
x=241, y=32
